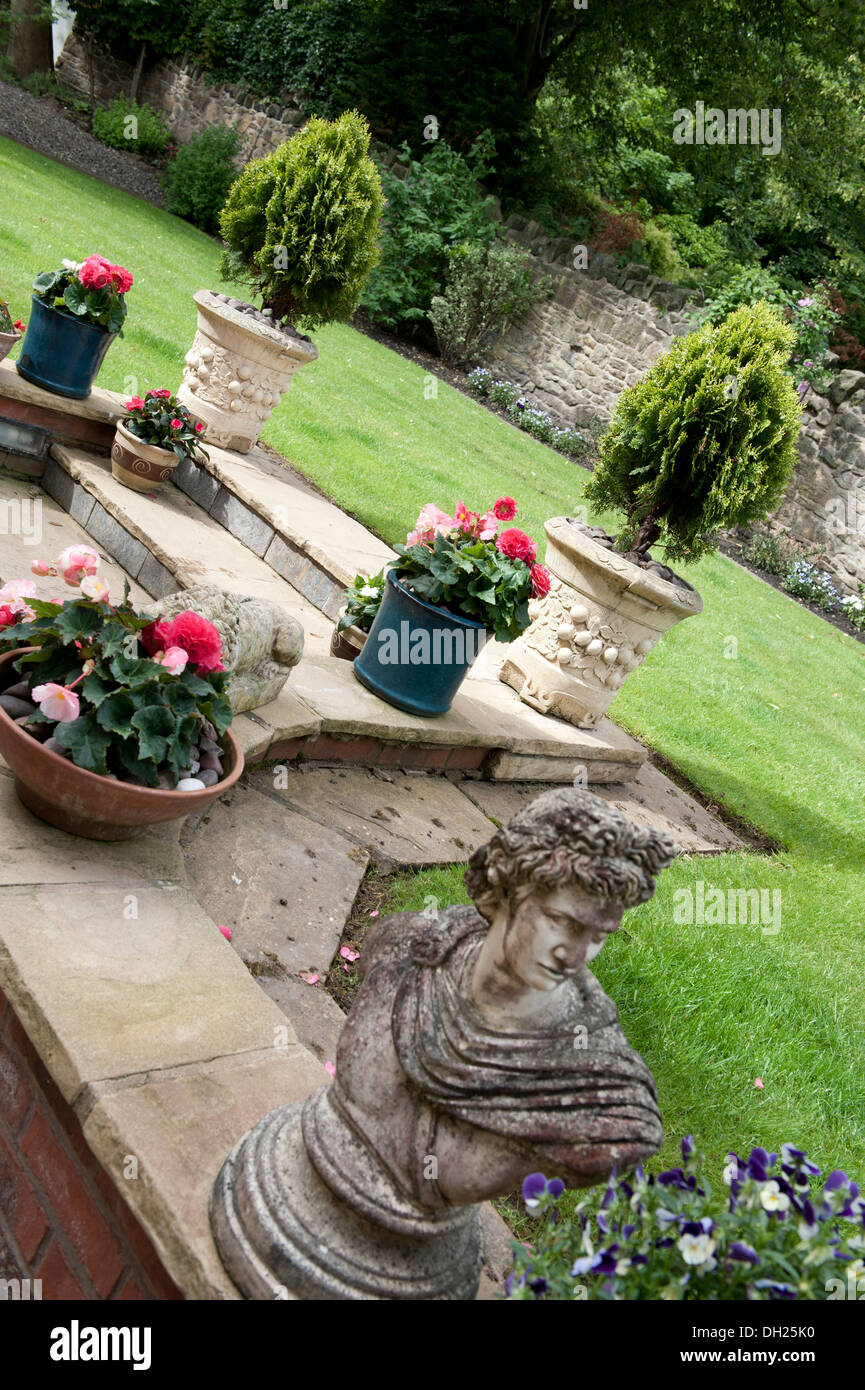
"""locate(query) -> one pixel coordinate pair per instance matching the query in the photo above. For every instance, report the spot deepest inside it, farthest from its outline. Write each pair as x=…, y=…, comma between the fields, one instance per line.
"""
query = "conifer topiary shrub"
x=301, y=224
x=706, y=440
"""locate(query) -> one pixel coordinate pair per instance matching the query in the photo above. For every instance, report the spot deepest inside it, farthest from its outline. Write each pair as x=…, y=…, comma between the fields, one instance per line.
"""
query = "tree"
x=30, y=44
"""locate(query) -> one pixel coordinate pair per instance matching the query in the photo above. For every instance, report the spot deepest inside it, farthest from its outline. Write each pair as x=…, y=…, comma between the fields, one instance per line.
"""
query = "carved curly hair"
x=569, y=836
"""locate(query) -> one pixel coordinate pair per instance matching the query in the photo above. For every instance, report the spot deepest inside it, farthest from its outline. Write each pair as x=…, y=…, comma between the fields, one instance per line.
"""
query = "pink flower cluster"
x=188, y=637
x=483, y=526
x=76, y=563
x=95, y=273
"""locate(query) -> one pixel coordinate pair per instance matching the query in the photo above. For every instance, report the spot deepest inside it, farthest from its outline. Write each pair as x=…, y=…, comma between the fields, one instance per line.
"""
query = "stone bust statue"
x=479, y=1048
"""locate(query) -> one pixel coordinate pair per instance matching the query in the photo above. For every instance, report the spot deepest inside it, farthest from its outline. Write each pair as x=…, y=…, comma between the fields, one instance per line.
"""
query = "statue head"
x=555, y=881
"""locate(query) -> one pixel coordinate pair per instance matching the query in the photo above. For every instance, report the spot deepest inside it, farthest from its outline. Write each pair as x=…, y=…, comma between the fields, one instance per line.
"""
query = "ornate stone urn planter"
x=601, y=618
x=237, y=369
x=143, y=467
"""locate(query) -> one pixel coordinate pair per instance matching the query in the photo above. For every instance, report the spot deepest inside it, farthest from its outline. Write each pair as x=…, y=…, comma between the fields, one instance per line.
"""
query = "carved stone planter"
x=143, y=467
x=237, y=369
x=601, y=618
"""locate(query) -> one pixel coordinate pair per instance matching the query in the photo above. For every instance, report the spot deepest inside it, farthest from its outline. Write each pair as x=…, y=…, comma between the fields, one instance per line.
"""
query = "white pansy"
x=772, y=1198
x=697, y=1250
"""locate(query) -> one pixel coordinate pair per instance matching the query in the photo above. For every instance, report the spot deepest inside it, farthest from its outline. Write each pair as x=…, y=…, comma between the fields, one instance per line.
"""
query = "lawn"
x=757, y=701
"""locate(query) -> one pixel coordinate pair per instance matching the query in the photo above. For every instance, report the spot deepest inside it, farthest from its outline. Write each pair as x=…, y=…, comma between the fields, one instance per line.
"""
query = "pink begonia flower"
x=41, y=567
x=57, y=702
x=348, y=954
x=758, y=1083
x=488, y=526
x=95, y=588
x=431, y=522
x=174, y=660
x=17, y=589
x=309, y=977
x=330, y=1068
x=176, y=424
x=226, y=932
x=76, y=562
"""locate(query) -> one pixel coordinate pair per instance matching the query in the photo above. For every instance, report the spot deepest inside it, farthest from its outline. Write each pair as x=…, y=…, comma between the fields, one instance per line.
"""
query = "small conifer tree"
x=706, y=440
x=301, y=224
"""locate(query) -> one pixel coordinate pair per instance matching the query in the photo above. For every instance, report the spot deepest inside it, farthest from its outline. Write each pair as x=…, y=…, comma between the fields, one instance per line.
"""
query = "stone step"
x=304, y=537
x=301, y=535
x=166, y=541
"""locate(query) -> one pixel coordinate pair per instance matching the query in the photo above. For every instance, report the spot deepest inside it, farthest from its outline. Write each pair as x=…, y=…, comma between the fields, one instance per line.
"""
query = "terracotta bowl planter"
x=8, y=341
x=142, y=467
x=87, y=804
x=347, y=644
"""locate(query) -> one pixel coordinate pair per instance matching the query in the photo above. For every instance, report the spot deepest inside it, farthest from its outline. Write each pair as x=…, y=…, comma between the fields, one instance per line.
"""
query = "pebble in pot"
x=190, y=784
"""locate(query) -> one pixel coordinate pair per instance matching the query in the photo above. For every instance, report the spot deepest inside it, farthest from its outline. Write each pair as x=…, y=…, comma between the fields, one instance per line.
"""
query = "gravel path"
x=40, y=124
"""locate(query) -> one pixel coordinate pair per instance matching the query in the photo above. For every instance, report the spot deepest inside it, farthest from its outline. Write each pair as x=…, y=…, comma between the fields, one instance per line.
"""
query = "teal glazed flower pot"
x=61, y=353
x=417, y=655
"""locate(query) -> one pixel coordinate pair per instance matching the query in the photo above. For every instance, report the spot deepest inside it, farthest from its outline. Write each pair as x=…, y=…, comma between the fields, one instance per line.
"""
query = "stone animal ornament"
x=479, y=1048
x=260, y=641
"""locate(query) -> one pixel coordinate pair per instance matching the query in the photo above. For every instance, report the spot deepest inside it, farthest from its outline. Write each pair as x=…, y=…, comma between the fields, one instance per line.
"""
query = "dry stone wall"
x=824, y=505
x=602, y=329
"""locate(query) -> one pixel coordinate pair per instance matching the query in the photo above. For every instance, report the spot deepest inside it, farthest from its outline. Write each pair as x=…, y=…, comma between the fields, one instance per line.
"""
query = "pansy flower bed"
x=778, y=1230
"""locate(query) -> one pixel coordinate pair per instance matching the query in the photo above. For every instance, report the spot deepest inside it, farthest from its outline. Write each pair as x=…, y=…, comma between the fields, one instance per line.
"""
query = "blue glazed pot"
x=416, y=655
x=61, y=353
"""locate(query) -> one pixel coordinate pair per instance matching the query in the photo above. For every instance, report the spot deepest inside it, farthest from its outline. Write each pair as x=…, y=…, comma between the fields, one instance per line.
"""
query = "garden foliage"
x=124, y=125
x=706, y=440
x=301, y=223
x=197, y=181
x=435, y=207
x=487, y=287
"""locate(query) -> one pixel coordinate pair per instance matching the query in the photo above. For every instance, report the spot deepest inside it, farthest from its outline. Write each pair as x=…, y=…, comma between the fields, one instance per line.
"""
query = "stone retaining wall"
x=825, y=502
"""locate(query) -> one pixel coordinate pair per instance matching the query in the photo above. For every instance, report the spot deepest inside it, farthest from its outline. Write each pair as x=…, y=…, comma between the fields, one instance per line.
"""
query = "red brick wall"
x=62, y=1219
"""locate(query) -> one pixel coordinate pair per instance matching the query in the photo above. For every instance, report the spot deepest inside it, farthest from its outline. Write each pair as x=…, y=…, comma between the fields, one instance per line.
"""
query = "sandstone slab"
x=33, y=852
x=110, y=982
x=283, y=883
x=179, y=1126
x=407, y=820
x=651, y=800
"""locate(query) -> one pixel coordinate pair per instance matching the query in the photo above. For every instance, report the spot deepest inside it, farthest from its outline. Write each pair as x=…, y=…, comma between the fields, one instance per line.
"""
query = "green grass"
x=758, y=702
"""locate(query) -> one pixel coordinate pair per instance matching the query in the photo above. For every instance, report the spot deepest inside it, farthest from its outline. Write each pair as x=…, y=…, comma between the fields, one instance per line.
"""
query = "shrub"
x=616, y=231
x=772, y=1233
x=124, y=125
x=659, y=253
x=437, y=206
x=198, y=179
x=701, y=247
x=707, y=439
x=301, y=223
x=487, y=288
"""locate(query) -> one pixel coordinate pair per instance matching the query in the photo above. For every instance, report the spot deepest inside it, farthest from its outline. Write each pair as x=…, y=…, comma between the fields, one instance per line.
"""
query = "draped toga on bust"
x=575, y=1090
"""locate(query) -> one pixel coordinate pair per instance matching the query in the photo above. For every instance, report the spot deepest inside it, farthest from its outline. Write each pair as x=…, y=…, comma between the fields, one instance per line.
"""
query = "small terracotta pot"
x=87, y=804
x=348, y=643
x=143, y=467
x=8, y=341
